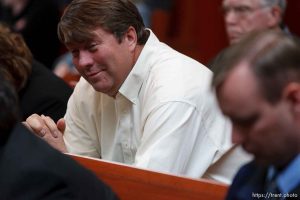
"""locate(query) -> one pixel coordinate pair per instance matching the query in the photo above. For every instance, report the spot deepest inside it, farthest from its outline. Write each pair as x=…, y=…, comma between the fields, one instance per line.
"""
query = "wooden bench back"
x=131, y=183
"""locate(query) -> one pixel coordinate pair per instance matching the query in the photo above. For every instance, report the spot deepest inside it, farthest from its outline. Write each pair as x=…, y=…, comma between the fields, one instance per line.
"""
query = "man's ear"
x=291, y=93
x=130, y=38
x=275, y=16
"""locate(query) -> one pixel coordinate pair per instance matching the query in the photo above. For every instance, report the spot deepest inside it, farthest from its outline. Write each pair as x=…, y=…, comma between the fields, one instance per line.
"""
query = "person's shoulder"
x=44, y=93
x=176, y=77
x=28, y=149
x=42, y=77
x=161, y=54
x=245, y=173
x=32, y=161
x=25, y=152
x=247, y=169
x=240, y=179
x=164, y=59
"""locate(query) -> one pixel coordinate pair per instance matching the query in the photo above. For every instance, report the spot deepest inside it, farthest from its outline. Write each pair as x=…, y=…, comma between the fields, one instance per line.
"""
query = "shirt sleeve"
x=172, y=131
x=77, y=136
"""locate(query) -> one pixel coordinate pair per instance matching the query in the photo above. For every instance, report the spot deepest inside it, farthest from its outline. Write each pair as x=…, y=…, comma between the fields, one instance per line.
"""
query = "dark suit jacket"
x=250, y=180
x=44, y=93
x=31, y=169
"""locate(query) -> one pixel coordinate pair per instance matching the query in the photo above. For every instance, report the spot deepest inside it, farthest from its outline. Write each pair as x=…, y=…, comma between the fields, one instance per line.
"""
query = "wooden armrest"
x=133, y=183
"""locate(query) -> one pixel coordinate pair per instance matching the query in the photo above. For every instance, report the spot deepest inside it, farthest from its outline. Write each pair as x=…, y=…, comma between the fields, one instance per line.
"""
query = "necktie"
x=271, y=188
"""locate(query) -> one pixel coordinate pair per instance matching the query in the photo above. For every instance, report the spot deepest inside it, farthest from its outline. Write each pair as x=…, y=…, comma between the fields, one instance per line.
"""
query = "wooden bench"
x=131, y=183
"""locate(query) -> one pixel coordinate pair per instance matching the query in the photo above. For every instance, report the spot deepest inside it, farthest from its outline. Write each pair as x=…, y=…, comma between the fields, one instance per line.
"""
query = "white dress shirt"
x=164, y=117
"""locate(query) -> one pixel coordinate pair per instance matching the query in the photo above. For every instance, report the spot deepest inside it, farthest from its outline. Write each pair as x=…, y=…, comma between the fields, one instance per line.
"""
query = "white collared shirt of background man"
x=164, y=117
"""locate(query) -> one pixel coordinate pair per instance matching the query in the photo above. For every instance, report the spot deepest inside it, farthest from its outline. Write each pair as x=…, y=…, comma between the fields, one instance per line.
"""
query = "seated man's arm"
x=81, y=136
x=178, y=138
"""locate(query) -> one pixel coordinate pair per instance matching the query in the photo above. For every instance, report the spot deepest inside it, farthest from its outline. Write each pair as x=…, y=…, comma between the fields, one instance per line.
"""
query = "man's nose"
x=85, y=59
x=230, y=17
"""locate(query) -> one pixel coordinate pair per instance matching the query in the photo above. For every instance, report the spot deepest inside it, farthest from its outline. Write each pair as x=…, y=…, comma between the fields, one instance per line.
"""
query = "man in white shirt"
x=139, y=101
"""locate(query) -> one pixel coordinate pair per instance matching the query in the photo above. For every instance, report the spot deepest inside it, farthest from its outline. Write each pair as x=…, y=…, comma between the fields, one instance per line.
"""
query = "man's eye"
x=92, y=47
x=242, y=9
x=239, y=10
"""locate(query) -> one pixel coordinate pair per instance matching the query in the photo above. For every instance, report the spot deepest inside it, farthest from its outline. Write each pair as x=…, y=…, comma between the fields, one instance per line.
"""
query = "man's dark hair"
x=81, y=17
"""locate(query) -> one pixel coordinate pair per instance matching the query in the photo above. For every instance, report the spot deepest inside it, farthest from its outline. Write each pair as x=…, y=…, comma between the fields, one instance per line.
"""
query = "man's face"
x=244, y=16
x=104, y=61
x=263, y=129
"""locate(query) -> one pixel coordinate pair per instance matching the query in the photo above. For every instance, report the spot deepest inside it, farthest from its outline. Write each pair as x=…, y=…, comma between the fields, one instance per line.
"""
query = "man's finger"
x=37, y=125
x=51, y=125
x=27, y=126
x=61, y=125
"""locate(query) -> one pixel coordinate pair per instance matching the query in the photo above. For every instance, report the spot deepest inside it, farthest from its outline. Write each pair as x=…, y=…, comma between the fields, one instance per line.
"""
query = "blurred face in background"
x=243, y=16
x=266, y=130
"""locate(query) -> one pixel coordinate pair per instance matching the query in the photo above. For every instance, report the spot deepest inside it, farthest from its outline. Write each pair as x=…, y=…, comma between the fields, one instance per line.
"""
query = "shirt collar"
x=289, y=178
x=134, y=81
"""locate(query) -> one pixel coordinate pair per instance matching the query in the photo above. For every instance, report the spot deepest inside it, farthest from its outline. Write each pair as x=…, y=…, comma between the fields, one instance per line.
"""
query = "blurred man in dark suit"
x=258, y=88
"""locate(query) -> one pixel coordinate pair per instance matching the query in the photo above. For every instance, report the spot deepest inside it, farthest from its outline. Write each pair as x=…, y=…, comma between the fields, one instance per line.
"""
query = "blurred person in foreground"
x=242, y=17
x=258, y=88
x=31, y=169
x=139, y=102
x=39, y=90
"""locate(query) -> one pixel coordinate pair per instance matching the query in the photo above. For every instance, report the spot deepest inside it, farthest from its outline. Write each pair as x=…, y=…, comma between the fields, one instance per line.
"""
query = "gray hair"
x=281, y=3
